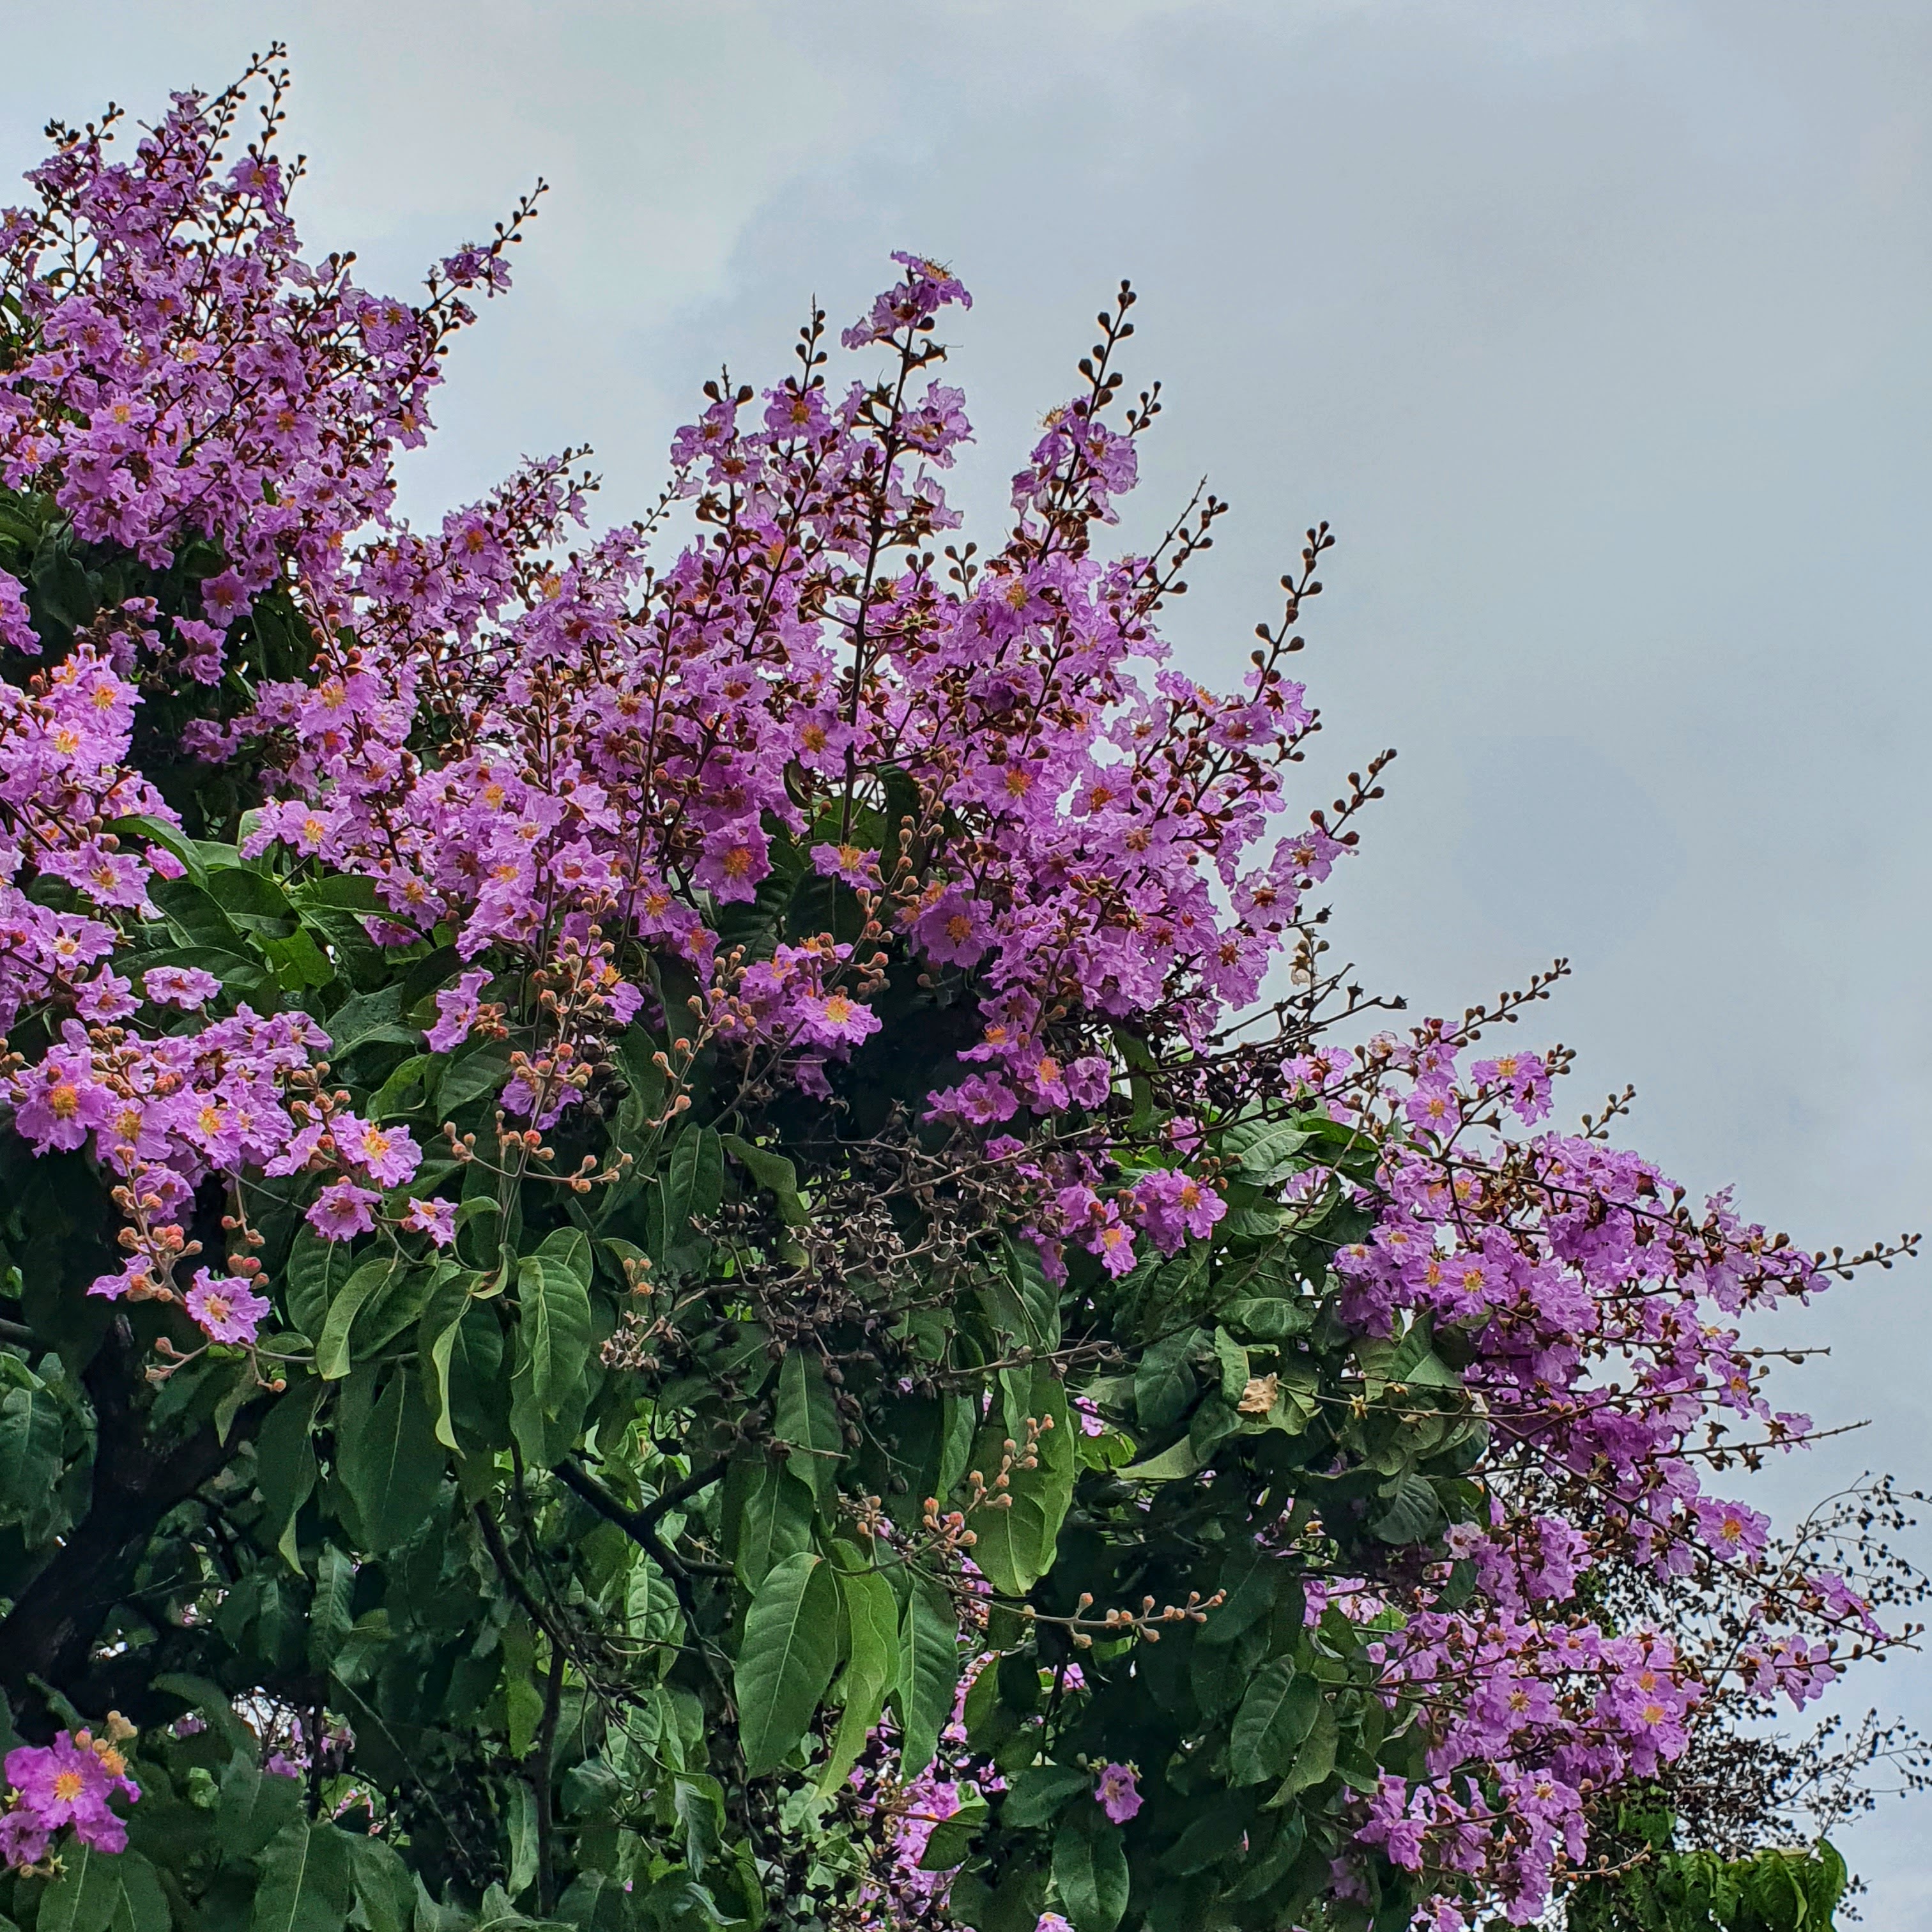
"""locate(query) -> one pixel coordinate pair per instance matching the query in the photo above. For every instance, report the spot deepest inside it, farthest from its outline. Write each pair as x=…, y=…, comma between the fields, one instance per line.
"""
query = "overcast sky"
x=1597, y=327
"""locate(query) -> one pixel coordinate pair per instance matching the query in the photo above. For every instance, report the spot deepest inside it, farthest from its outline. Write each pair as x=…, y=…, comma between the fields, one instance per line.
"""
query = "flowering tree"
x=663, y=1269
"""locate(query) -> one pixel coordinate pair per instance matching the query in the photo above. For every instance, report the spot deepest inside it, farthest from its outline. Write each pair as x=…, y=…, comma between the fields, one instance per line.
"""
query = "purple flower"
x=57, y=1104
x=343, y=1211
x=225, y=1305
x=836, y=1020
x=1116, y=1794
x=187, y=987
x=16, y=628
x=69, y=1782
x=456, y=1011
x=436, y=1218
x=388, y=1155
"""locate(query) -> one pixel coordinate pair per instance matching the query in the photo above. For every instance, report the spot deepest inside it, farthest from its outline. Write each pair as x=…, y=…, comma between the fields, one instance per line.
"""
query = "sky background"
x=1596, y=327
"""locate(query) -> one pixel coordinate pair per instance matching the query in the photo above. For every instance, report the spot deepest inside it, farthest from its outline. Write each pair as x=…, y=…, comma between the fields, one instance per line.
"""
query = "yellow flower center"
x=64, y=1099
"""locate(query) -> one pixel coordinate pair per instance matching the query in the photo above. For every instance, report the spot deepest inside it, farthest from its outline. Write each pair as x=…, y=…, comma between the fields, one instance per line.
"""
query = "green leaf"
x=315, y=1269
x=1263, y=1150
x=1016, y=1544
x=928, y=1674
x=342, y=889
x=1413, y=1513
x=255, y=1804
x=1038, y=1296
x=252, y=899
x=953, y=1838
x=1270, y=1318
x=436, y=1338
x=331, y=1347
x=32, y=1435
x=393, y=1464
x=520, y=1803
x=1316, y=1759
x=1275, y=1716
x=304, y=1885
x=470, y=1078
x=1164, y=1384
x=785, y=1663
x=1090, y=1872
x=552, y=1329
x=571, y=1246
x=285, y=1469
x=370, y=1019
x=693, y=1184
x=773, y=1172
x=872, y=1668
x=699, y=1803
x=1038, y=1794
x=807, y=1418
x=330, y=1615
x=1233, y=1361
x=103, y=1891
x=385, y=1887
x=768, y=1517
x=405, y=1089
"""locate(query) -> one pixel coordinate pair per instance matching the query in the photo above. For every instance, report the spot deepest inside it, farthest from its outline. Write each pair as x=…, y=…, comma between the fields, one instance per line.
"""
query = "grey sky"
x=1597, y=329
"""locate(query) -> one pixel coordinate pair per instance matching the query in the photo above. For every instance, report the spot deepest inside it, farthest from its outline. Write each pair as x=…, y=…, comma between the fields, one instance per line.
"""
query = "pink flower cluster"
x=192, y=376
x=983, y=769
x=64, y=776
x=66, y=1784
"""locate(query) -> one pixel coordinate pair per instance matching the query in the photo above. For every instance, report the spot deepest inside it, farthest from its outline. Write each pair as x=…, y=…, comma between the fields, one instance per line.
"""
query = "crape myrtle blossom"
x=591, y=775
x=66, y=1785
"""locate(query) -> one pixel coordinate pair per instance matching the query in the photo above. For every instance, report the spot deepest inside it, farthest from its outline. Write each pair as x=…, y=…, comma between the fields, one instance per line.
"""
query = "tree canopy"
x=708, y=1242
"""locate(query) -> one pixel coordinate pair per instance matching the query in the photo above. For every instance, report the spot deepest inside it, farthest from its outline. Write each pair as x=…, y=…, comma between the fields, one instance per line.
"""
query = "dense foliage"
x=662, y=1271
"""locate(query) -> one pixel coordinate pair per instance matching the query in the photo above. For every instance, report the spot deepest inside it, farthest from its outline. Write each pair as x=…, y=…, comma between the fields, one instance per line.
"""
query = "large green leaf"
x=255, y=1805
x=772, y=1171
x=392, y=1464
x=1090, y=1872
x=285, y=1468
x=305, y=1880
x=807, y=1419
x=1041, y=1793
x=768, y=1517
x=437, y=1330
x=785, y=1663
x=1016, y=1544
x=385, y=1888
x=32, y=1432
x=553, y=1330
x=1414, y=1511
x=1278, y=1712
x=330, y=1615
x=315, y=1269
x=1164, y=1384
x=928, y=1674
x=693, y=1184
x=331, y=1348
x=103, y=1891
x=1263, y=1150
x=553, y=1349
x=872, y=1667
